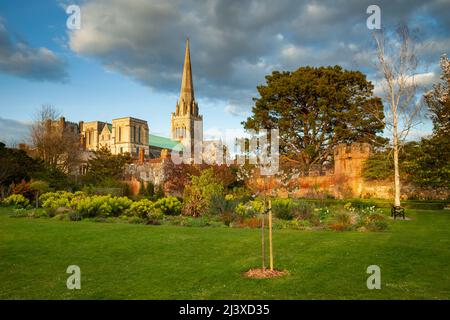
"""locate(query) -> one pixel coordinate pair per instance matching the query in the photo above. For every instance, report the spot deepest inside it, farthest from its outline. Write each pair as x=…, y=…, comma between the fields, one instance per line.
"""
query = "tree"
x=199, y=193
x=39, y=187
x=105, y=166
x=431, y=166
x=315, y=109
x=438, y=101
x=15, y=166
x=57, y=144
x=397, y=64
x=428, y=165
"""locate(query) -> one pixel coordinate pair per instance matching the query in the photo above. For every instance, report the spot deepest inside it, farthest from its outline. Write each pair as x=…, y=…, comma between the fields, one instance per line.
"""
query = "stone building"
x=349, y=159
x=186, y=123
x=132, y=135
x=122, y=135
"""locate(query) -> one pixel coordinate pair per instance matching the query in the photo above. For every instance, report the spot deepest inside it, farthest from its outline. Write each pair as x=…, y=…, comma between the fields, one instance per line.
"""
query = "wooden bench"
x=397, y=211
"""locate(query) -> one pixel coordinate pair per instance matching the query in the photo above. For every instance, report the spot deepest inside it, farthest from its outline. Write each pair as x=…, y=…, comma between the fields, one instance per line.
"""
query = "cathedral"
x=186, y=123
x=132, y=135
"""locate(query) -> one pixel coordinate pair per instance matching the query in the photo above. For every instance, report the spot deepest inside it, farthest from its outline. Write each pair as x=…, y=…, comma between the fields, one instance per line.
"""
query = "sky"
x=126, y=59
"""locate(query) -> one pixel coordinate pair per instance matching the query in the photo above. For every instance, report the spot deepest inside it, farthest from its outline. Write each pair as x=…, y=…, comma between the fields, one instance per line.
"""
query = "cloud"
x=19, y=59
x=13, y=131
x=234, y=110
x=234, y=44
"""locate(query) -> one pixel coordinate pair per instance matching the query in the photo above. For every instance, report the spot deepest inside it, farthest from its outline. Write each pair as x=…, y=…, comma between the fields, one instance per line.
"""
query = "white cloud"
x=234, y=44
x=19, y=59
x=13, y=131
x=235, y=110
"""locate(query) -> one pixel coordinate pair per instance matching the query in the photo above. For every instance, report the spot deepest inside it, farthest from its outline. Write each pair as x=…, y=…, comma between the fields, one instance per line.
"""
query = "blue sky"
x=91, y=91
x=127, y=58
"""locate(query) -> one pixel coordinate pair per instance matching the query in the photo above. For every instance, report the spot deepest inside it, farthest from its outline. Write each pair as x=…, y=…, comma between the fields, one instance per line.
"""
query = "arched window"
x=139, y=135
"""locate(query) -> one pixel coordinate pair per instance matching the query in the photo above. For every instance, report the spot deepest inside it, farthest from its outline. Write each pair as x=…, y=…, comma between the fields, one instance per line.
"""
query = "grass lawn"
x=123, y=261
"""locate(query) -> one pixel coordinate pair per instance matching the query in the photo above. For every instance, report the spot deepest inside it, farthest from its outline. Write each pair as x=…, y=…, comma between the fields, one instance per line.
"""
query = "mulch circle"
x=264, y=273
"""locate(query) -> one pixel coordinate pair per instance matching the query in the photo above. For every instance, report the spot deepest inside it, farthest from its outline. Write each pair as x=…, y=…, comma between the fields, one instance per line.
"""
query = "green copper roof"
x=110, y=127
x=163, y=142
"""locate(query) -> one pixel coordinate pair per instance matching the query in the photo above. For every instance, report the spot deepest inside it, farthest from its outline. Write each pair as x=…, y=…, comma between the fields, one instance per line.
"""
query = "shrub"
x=187, y=221
x=94, y=206
x=136, y=220
x=323, y=213
x=342, y=221
x=159, y=193
x=253, y=222
x=198, y=194
x=51, y=201
x=17, y=201
x=119, y=205
x=303, y=210
x=377, y=226
x=103, y=206
x=291, y=224
x=141, y=208
x=155, y=216
x=168, y=206
x=361, y=204
x=282, y=209
x=22, y=188
x=250, y=209
x=223, y=207
x=74, y=216
x=19, y=213
x=36, y=213
x=244, y=210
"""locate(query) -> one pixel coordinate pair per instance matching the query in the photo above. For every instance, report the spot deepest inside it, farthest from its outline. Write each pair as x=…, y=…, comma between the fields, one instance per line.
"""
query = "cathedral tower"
x=186, y=118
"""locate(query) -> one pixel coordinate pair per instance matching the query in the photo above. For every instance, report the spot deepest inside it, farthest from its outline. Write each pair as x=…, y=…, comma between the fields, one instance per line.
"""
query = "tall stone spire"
x=187, y=87
x=186, y=123
x=187, y=103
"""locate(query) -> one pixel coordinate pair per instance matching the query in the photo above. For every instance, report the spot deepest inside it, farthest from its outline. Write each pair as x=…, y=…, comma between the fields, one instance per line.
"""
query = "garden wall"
x=343, y=181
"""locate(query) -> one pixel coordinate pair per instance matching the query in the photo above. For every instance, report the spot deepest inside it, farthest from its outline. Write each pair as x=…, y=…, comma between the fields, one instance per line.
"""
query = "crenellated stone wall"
x=344, y=181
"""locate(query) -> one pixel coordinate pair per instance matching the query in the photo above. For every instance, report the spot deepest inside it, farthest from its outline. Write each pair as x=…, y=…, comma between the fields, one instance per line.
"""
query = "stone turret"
x=349, y=159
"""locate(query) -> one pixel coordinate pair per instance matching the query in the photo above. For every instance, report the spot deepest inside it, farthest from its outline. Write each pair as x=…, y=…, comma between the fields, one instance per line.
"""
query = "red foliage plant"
x=22, y=188
x=178, y=176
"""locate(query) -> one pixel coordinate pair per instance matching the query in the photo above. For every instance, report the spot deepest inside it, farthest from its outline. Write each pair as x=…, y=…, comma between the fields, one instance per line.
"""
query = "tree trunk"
x=396, y=168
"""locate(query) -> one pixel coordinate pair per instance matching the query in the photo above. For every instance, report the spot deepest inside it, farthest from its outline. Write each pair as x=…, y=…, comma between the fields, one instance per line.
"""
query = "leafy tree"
x=315, y=109
x=105, y=166
x=429, y=165
x=378, y=167
x=438, y=101
x=39, y=188
x=150, y=190
x=159, y=192
x=199, y=193
x=179, y=175
x=16, y=166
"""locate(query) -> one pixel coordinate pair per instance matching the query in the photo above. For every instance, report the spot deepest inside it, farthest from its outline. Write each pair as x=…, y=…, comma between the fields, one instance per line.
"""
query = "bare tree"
x=397, y=63
x=54, y=141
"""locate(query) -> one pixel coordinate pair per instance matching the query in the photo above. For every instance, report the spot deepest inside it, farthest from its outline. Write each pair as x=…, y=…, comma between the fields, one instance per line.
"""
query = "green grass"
x=122, y=261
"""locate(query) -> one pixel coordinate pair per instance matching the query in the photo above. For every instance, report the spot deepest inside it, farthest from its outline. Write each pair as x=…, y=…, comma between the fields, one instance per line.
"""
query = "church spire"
x=187, y=99
x=186, y=123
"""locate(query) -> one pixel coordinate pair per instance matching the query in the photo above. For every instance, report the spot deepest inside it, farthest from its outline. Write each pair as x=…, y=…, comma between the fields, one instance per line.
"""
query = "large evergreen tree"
x=105, y=166
x=315, y=109
x=432, y=166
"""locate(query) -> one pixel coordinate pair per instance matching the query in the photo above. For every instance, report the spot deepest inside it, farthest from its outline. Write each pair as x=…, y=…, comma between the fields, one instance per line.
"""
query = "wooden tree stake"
x=270, y=235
